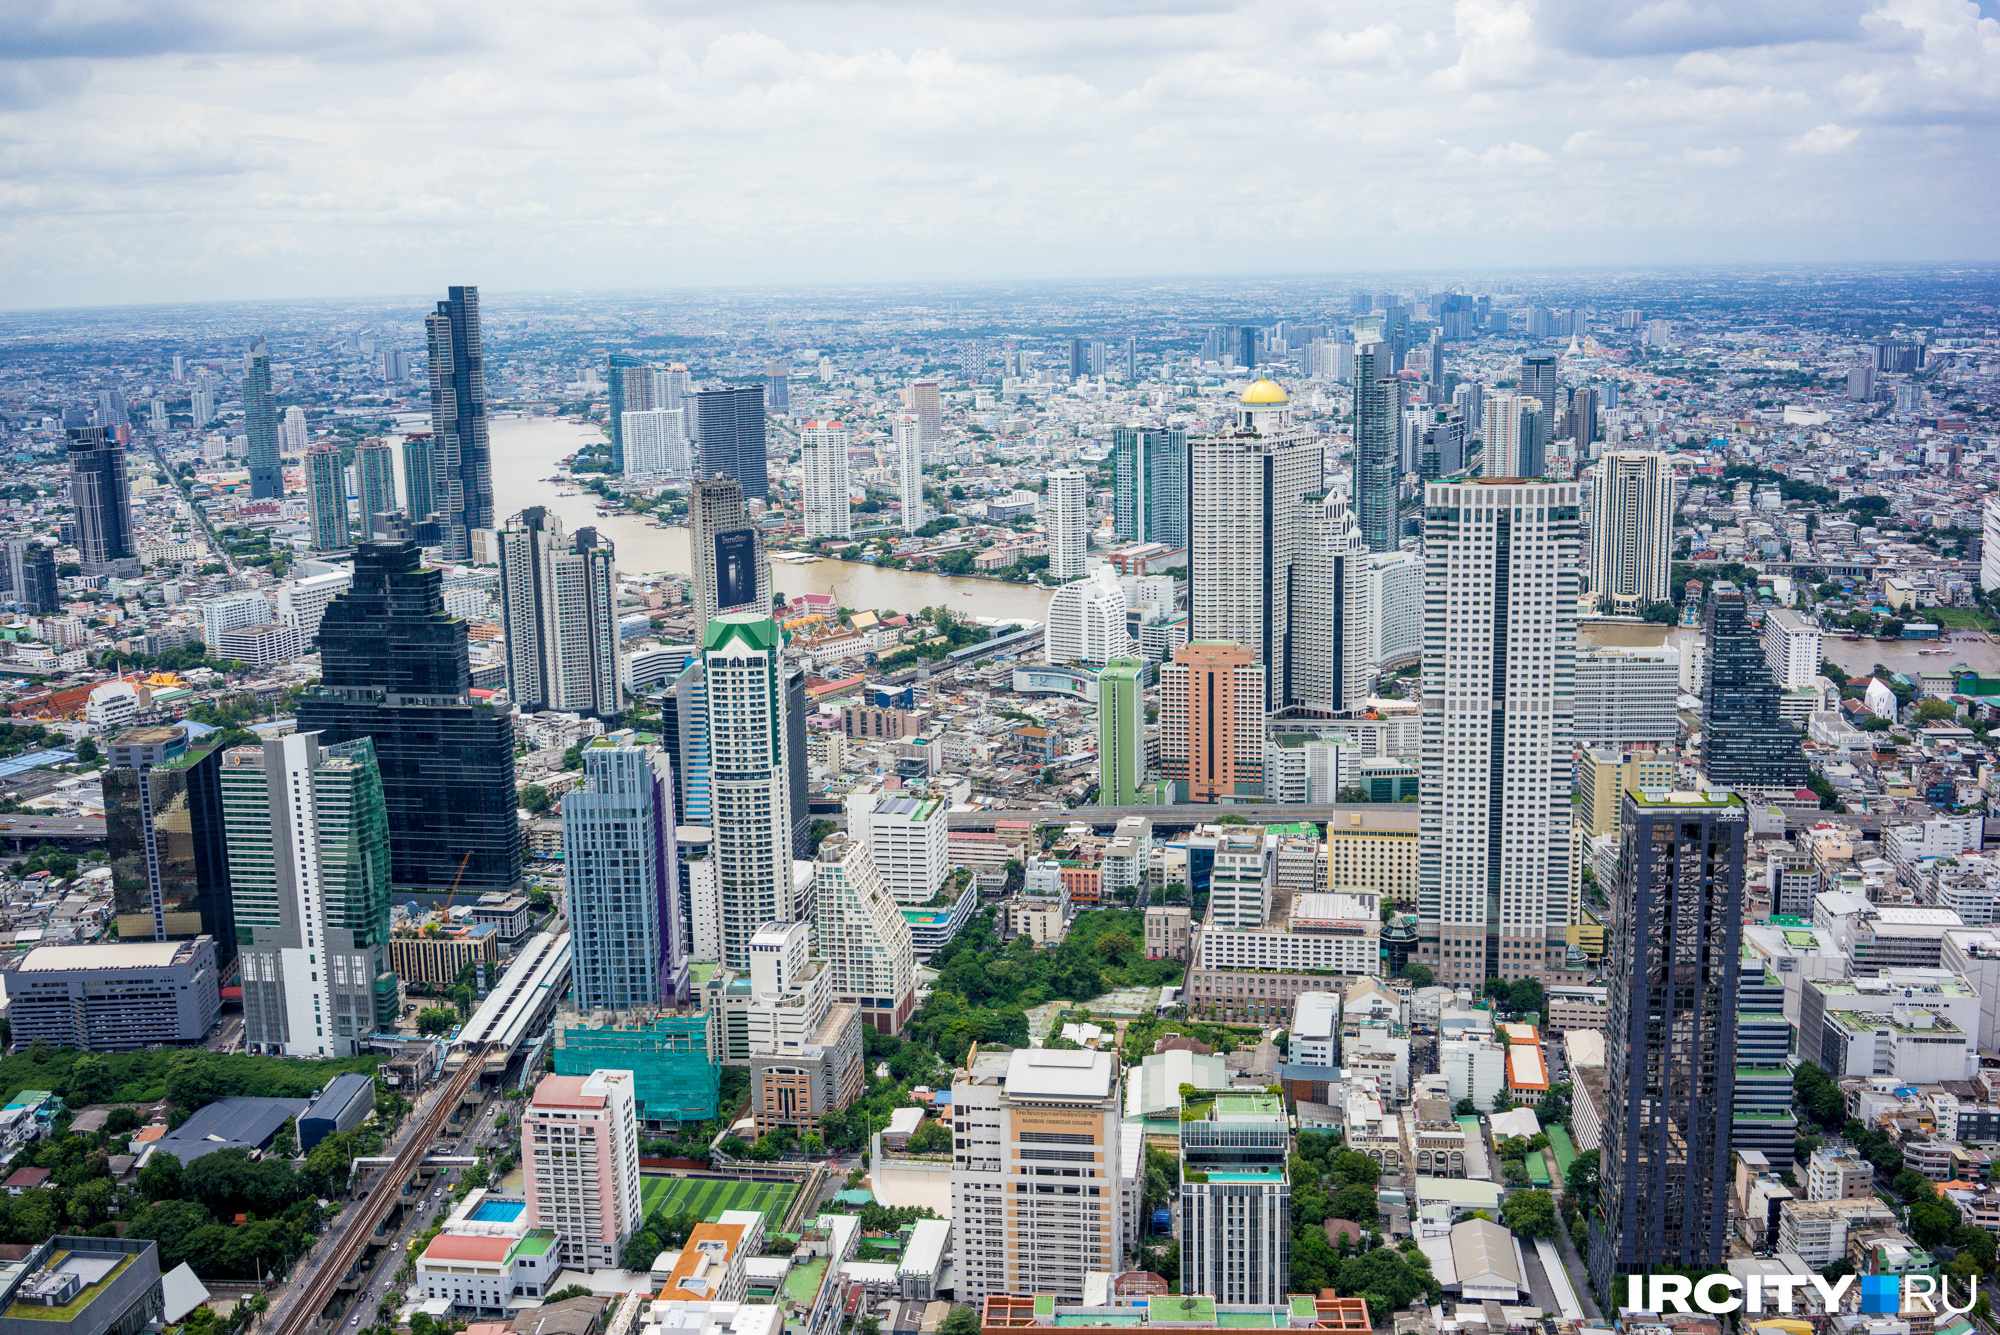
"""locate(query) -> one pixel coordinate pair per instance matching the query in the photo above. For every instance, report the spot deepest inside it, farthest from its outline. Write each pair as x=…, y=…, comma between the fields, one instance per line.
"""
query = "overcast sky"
x=191, y=149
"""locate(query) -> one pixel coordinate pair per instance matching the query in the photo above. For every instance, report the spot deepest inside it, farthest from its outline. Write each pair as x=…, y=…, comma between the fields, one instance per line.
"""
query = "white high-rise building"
x=1087, y=621
x=1395, y=606
x=1512, y=434
x=742, y=665
x=673, y=387
x=862, y=936
x=823, y=455
x=656, y=443
x=1793, y=648
x=1989, y=554
x=292, y=431
x=1246, y=488
x=907, y=837
x=302, y=600
x=559, y=609
x=1631, y=529
x=1017, y=1226
x=1066, y=519
x=1500, y=591
x=580, y=1158
x=1331, y=670
x=910, y=473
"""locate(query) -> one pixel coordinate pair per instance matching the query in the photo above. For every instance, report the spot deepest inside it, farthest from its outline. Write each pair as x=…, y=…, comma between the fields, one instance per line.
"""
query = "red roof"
x=564, y=1091
x=464, y=1247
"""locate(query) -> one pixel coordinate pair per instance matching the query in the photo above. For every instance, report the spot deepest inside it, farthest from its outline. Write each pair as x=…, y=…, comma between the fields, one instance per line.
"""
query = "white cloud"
x=173, y=149
x=1828, y=138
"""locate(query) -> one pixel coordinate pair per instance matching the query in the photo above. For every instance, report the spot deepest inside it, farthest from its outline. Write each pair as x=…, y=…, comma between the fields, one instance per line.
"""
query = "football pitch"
x=706, y=1199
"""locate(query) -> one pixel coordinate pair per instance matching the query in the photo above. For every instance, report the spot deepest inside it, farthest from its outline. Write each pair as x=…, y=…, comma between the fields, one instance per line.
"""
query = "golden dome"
x=1266, y=391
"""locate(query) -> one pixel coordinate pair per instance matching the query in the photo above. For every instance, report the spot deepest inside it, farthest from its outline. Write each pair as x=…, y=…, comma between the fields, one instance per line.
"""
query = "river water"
x=1857, y=656
x=525, y=451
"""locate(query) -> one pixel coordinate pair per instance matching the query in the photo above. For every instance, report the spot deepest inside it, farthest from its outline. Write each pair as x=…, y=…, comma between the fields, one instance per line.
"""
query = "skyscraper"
x=292, y=430
x=626, y=933
x=656, y=443
x=1631, y=529
x=1762, y=1116
x=201, y=405
x=730, y=427
x=102, y=503
x=1434, y=390
x=1378, y=431
x=375, y=467
x=1121, y=732
x=742, y=660
x=1436, y=442
x=559, y=608
x=1066, y=518
x=862, y=936
x=309, y=878
x=1086, y=622
x=629, y=382
x=1744, y=742
x=1580, y=422
x=1676, y=935
x=260, y=424
x=419, y=477
x=1538, y=381
x=327, y=517
x=394, y=667
x=1236, y=1201
x=461, y=461
x=1212, y=721
x=823, y=457
x=910, y=474
x=1150, y=496
x=732, y=571
x=31, y=574
x=1245, y=492
x=1513, y=435
x=164, y=835
x=1329, y=669
x=778, y=386
x=1500, y=585
x=580, y=1156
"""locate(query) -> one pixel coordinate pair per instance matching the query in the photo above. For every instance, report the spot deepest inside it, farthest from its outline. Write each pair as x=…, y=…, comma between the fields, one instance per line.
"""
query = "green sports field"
x=706, y=1200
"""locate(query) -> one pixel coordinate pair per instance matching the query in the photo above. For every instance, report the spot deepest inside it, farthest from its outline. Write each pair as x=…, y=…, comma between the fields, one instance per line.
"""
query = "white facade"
x=1631, y=529
x=910, y=843
x=292, y=431
x=1243, y=879
x=823, y=455
x=1498, y=728
x=656, y=442
x=1627, y=697
x=303, y=601
x=910, y=473
x=1510, y=435
x=1292, y=951
x=1395, y=606
x=1315, y=1038
x=1087, y=621
x=1066, y=519
x=1989, y=555
x=231, y=611
x=1332, y=670
x=1473, y=1068
x=862, y=935
x=558, y=604
x=1792, y=648
x=749, y=795
x=789, y=995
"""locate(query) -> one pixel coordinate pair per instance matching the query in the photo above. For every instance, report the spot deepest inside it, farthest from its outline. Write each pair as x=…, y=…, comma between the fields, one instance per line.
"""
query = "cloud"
x=1828, y=138
x=1601, y=28
x=1712, y=157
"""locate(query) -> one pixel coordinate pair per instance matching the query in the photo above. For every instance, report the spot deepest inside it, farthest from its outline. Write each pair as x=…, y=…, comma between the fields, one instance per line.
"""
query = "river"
x=525, y=451
x=1858, y=656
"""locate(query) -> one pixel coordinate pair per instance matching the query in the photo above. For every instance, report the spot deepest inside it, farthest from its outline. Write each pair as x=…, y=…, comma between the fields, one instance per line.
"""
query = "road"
x=200, y=515
x=52, y=827
x=1185, y=813
x=317, y=1277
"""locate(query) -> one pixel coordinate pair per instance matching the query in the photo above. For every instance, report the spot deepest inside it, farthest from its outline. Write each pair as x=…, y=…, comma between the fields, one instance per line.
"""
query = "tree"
x=87, y=752
x=573, y=1291
x=931, y=1137
x=1530, y=1214
x=162, y=1179
x=89, y=1082
x=434, y=1020
x=1931, y=708
x=1419, y=975
x=1580, y=1181
x=960, y=1320
x=536, y=801
x=1352, y=794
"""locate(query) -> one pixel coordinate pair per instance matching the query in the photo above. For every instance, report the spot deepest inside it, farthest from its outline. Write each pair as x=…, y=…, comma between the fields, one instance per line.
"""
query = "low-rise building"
x=1816, y=1231
x=1168, y=932
x=114, y=996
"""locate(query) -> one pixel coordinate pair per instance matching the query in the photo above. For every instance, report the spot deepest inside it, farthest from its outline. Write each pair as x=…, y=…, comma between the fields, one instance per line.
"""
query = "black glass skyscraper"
x=164, y=834
x=1378, y=442
x=260, y=424
x=461, y=463
x=1676, y=934
x=1744, y=742
x=730, y=424
x=394, y=667
x=102, y=500
x=797, y=763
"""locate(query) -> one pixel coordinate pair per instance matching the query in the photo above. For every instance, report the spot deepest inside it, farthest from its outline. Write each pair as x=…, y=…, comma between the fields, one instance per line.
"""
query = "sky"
x=176, y=150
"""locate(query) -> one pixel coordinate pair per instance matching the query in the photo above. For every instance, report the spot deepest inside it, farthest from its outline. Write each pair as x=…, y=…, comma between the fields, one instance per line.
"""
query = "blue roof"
x=34, y=760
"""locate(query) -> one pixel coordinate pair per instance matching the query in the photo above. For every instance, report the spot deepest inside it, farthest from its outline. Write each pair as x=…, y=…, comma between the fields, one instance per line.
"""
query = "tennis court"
x=706, y=1199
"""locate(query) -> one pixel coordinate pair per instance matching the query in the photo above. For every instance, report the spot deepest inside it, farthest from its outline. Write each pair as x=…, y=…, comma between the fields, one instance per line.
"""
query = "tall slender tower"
x=375, y=467
x=1744, y=742
x=624, y=903
x=1121, y=732
x=1500, y=586
x=326, y=499
x=1513, y=434
x=1538, y=381
x=1150, y=496
x=823, y=456
x=929, y=412
x=260, y=424
x=461, y=462
x=910, y=474
x=630, y=381
x=1434, y=392
x=749, y=791
x=1378, y=431
x=729, y=424
x=1331, y=668
x=102, y=502
x=1246, y=486
x=1066, y=518
x=419, y=477
x=1674, y=953
x=559, y=608
x=309, y=878
x=1631, y=529
x=732, y=571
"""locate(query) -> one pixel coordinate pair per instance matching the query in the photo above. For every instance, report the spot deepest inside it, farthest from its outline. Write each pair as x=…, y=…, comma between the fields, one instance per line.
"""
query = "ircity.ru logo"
x=1758, y=1294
